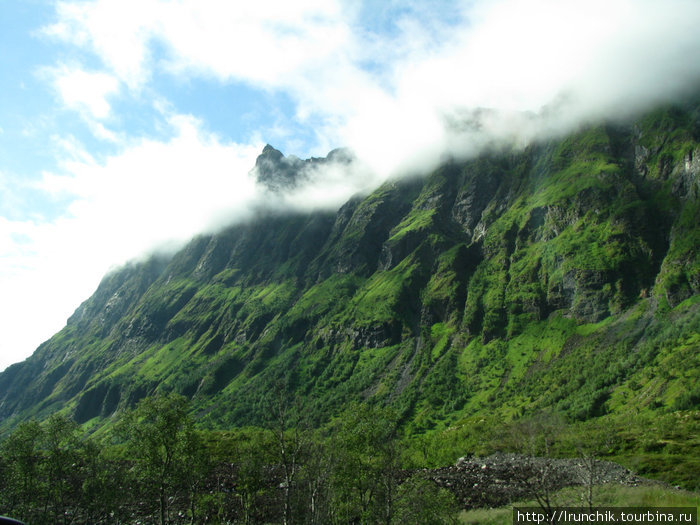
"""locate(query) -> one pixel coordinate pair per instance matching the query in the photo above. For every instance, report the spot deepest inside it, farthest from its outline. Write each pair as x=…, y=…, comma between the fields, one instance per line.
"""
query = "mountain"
x=563, y=276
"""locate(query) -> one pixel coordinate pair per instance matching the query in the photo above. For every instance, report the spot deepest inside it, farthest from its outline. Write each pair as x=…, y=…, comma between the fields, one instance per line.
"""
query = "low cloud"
x=153, y=194
x=517, y=71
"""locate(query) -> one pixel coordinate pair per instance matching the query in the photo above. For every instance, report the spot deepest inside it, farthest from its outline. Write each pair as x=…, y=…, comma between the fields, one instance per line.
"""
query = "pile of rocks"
x=500, y=479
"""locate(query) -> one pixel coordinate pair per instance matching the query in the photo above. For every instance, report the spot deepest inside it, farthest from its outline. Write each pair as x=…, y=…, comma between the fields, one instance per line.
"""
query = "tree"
x=253, y=454
x=420, y=501
x=104, y=480
x=61, y=446
x=291, y=444
x=589, y=444
x=22, y=459
x=536, y=438
x=161, y=440
x=365, y=465
x=315, y=479
x=46, y=469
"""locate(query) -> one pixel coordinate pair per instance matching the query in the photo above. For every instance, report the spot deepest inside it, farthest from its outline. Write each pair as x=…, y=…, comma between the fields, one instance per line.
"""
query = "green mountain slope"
x=564, y=276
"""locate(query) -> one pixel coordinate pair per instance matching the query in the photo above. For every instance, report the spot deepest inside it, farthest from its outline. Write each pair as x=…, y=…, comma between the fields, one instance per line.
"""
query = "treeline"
x=156, y=467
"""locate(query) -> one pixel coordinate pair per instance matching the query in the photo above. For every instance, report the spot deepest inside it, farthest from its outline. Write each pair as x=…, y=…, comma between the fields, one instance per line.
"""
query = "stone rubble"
x=501, y=479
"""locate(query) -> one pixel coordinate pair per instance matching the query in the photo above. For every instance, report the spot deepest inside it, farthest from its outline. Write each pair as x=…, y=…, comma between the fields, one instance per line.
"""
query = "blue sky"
x=127, y=125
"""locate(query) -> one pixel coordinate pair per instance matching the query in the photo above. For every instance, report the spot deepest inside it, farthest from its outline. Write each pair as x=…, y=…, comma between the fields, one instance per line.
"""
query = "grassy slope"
x=607, y=496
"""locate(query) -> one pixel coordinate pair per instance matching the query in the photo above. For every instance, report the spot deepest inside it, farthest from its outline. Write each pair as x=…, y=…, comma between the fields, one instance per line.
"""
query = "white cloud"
x=386, y=95
x=159, y=190
x=117, y=31
x=32, y=287
x=328, y=186
x=85, y=91
x=265, y=42
x=561, y=63
x=258, y=41
x=150, y=193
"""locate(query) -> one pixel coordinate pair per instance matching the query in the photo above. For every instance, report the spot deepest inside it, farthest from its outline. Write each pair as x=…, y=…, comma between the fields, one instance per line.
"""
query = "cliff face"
x=563, y=275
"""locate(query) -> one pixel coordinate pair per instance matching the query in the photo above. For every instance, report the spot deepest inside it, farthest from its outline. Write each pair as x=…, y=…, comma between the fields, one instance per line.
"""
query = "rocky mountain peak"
x=278, y=172
x=275, y=171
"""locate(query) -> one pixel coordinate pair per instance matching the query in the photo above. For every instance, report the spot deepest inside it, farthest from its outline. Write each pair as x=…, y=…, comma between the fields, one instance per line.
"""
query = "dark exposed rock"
x=473, y=199
x=686, y=183
x=377, y=336
x=275, y=171
x=279, y=173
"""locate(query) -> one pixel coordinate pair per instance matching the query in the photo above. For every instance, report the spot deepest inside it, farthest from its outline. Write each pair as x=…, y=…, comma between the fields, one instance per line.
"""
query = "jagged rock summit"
x=279, y=173
x=275, y=171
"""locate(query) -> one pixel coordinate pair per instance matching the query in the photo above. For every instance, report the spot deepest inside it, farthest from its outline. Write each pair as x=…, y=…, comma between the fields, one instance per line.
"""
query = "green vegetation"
x=158, y=468
x=562, y=278
x=610, y=496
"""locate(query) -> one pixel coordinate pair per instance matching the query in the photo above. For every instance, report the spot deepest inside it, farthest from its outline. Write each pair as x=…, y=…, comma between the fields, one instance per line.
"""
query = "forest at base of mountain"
x=562, y=278
x=158, y=468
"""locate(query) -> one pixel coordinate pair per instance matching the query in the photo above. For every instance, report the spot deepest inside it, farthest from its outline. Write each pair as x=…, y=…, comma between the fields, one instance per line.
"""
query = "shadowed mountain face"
x=565, y=275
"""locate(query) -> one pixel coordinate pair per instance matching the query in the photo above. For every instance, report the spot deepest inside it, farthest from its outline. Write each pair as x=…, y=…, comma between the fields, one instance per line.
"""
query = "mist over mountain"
x=563, y=275
x=172, y=122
